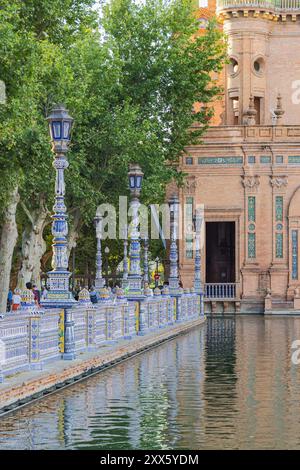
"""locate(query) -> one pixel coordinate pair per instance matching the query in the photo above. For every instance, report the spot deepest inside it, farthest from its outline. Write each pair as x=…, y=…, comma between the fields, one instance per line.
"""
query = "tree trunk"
x=8, y=239
x=33, y=245
x=74, y=230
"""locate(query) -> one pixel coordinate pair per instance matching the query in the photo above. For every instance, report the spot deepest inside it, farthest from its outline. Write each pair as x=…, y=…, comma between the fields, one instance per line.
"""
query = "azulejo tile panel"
x=295, y=254
x=279, y=245
x=279, y=208
x=220, y=160
x=294, y=160
x=251, y=245
x=251, y=209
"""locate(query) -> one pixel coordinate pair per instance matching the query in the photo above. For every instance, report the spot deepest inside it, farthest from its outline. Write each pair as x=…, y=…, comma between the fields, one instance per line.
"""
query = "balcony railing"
x=278, y=5
x=220, y=291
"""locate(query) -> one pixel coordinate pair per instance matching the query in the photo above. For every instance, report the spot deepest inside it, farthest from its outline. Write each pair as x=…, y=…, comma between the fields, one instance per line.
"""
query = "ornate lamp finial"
x=251, y=112
x=279, y=111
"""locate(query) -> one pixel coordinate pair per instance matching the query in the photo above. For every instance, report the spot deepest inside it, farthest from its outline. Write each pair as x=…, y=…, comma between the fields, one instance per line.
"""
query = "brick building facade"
x=246, y=171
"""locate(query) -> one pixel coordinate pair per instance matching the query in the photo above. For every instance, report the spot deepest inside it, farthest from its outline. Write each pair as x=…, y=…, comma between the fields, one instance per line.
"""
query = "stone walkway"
x=26, y=386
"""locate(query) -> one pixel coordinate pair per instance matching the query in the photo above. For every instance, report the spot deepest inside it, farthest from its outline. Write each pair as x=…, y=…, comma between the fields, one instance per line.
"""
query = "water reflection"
x=230, y=384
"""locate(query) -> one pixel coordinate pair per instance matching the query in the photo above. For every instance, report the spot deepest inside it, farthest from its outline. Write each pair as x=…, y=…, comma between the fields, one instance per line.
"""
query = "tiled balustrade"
x=29, y=338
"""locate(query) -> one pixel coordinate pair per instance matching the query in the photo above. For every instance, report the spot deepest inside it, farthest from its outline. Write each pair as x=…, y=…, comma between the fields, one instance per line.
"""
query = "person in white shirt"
x=16, y=300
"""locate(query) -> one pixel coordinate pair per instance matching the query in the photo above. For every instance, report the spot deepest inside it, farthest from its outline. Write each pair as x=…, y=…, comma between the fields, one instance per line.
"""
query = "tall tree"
x=130, y=86
x=30, y=31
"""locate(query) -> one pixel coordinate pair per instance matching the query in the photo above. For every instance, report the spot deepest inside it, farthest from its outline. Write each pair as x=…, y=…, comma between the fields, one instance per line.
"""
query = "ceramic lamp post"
x=125, y=260
x=174, y=277
x=146, y=261
x=135, y=178
x=99, y=281
x=59, y=294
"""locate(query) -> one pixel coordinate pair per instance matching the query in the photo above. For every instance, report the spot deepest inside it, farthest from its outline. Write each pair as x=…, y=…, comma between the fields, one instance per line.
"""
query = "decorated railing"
x=30, y=337
x=278, y=5
x=220, y=291
x=14, y=344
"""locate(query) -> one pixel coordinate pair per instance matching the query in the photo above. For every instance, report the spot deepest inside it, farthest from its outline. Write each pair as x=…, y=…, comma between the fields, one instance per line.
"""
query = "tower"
x=263, y=37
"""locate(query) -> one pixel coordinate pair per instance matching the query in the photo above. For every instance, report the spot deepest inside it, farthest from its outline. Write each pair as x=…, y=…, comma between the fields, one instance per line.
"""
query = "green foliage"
x=130, y=85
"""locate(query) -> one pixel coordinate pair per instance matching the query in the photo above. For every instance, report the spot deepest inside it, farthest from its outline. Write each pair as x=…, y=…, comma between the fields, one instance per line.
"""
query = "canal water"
x=230, y=384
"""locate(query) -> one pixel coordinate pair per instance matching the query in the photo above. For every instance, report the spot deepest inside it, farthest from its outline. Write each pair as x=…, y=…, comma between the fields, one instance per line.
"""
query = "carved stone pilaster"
x=190, y=185
x=251, y=183
x=279, y=183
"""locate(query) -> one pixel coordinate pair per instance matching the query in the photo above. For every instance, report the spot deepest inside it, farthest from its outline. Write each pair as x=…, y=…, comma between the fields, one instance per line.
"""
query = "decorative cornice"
x=226, y=11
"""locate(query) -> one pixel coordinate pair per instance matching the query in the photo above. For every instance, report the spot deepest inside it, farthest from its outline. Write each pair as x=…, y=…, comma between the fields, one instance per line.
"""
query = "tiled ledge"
x=26, y=386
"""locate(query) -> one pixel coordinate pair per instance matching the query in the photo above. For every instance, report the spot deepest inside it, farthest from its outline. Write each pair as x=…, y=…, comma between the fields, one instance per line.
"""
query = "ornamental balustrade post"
x=143, y=320
x=166, y=295
x=34, y=342
x=69, y=347
x=91, y=328
x=135, y=176
x=157, y=300
x=109, y=324
x=2, y=359
x=122, y=302
x=194, y=302
x=59, y=294
x=179, y=305
x=99, y=281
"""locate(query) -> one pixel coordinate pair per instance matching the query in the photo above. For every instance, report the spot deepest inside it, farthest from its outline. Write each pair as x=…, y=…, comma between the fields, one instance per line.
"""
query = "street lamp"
x=59, y=294
x=197, y=222
x=99, y=281
x=174, y=277
x=125, y=259
x=156, y=271
x=146, y=260
x=135, y=178
x=106, y=251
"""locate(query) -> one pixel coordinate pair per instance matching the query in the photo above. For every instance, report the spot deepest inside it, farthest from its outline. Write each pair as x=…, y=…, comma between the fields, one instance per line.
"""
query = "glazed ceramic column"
x=174, y=276
x=125, y=260
x=135, y=176
x=146, y=260
x=99, y=281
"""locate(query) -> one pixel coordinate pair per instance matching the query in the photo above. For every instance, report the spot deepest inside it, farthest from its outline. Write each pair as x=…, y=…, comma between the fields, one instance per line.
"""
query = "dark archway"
x=220, y=252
